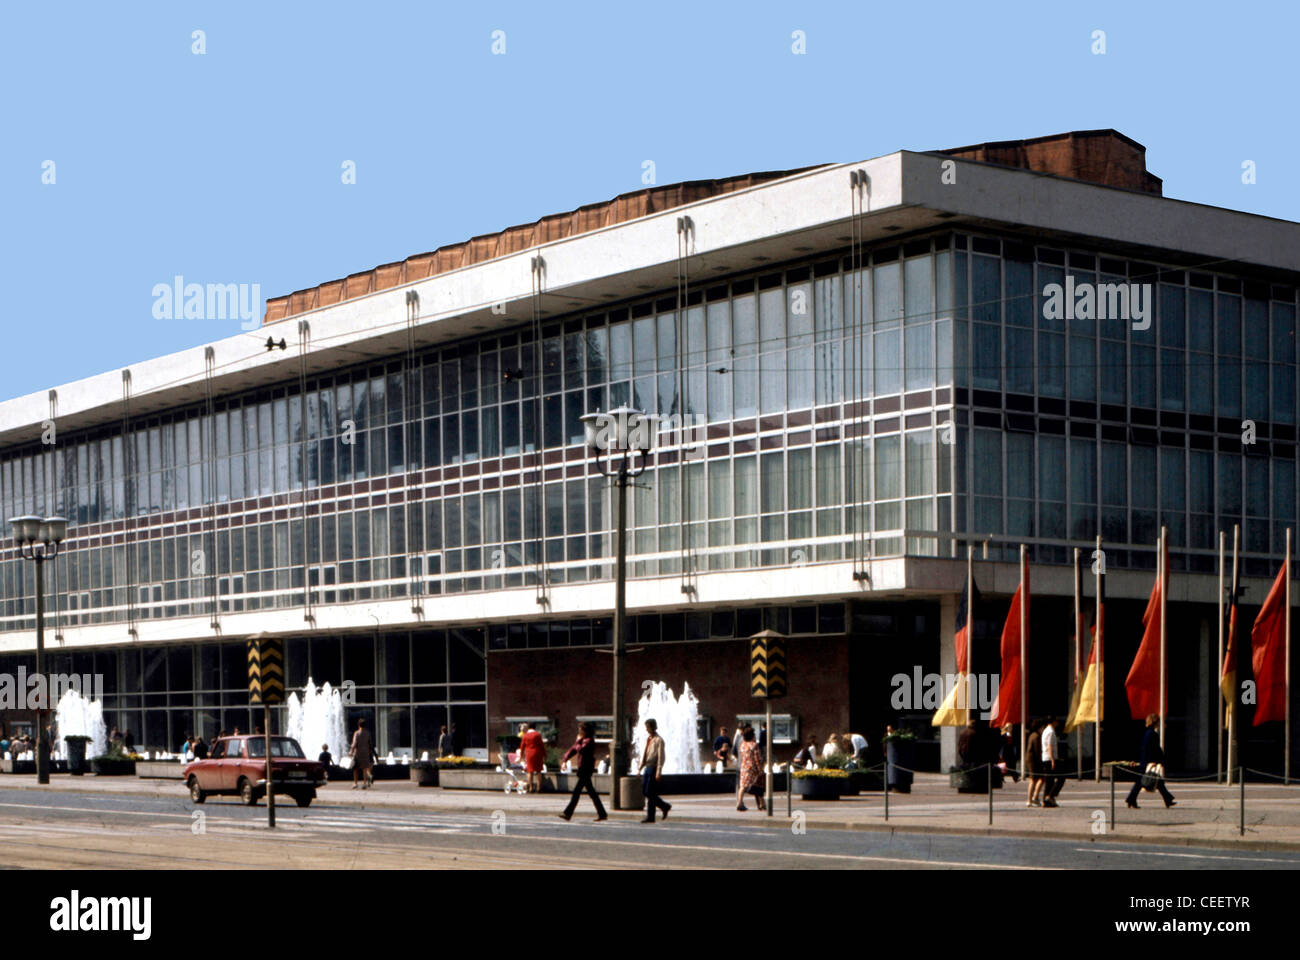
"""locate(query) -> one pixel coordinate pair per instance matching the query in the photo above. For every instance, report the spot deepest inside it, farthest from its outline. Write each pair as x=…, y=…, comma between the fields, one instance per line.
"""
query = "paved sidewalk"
x=1206, y=814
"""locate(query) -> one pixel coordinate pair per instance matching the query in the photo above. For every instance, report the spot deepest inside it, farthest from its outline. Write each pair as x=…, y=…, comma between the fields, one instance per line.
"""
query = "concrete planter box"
x=870, y=780
x=17, y=766
x=425, y=774
x=483, y=778
x=901, y=755
x=158, y=769
x=819, y=788
x=974, y=781
x=388, y=771
x=489, y=779
x=113, y=768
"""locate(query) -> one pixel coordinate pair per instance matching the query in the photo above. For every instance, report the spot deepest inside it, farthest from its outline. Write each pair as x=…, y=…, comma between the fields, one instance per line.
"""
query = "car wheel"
x=246, y=792
x=197, y=793
x=304, y=799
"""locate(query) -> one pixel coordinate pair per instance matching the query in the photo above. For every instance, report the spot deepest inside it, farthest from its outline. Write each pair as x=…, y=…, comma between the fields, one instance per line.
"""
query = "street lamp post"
x=38, y=540
x=621, y=434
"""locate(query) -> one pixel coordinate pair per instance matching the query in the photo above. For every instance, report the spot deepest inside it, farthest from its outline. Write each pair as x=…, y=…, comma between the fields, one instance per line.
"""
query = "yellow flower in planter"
x=826, y=774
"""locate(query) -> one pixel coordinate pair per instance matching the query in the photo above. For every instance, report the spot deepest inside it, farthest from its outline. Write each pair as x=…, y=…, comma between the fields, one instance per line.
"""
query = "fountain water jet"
x=316, y=718
x=678, y=720
x=75, y=716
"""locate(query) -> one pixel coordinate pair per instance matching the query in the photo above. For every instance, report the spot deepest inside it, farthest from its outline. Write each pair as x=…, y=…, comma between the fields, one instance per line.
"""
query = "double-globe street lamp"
x=38, y=539
x=620, y=435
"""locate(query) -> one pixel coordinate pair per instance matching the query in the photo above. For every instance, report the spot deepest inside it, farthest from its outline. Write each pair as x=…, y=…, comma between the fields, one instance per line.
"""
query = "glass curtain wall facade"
x=395, y=479
x=1085, y=426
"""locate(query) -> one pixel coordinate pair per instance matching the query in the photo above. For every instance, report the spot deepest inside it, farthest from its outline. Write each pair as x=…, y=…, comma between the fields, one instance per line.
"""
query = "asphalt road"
x=86, y=830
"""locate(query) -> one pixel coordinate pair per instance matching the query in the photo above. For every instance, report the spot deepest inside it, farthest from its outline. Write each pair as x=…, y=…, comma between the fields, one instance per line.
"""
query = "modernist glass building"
x=844, y=403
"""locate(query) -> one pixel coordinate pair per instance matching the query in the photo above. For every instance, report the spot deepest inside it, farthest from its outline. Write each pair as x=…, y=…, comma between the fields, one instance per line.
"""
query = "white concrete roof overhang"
x=798, y=216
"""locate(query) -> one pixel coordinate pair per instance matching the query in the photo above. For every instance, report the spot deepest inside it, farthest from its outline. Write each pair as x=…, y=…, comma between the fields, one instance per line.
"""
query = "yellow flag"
x=955, y=709
x=1083, y=709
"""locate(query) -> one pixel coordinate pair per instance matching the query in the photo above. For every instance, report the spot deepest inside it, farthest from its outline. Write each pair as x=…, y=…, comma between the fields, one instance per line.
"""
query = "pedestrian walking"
x=533, y=748
x=751, y=770
x=585, y=749
x=1053, y=780
x=1007, y=753
x=446, y=747
x=652, y=768
x=1034, y=763
x=1152, y=765
x=325, y=757
x=363, y=756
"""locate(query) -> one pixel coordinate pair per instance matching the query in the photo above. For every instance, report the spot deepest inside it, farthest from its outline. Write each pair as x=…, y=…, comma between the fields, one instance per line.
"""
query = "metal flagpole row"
x=1024, y=664
x=1164, y=622
x=1097, y=645
x=1286, y=643
x=1079, y=673
x=1232, y=714
x=1218, y=729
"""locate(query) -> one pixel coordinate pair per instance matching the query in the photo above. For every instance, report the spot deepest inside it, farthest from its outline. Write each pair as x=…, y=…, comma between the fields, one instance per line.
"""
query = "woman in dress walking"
x=751, y=770
x=533, y=747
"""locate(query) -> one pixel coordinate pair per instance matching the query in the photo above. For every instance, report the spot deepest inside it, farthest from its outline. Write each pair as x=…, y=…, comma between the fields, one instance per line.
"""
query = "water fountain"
x=678, y=720
x=76, y=716
x=316, y=718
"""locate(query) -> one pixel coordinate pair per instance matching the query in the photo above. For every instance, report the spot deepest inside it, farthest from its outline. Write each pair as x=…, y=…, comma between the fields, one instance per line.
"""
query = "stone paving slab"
x=1206, y=813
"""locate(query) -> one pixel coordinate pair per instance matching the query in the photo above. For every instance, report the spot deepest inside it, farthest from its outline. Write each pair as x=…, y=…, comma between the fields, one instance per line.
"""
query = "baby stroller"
x=512, y=764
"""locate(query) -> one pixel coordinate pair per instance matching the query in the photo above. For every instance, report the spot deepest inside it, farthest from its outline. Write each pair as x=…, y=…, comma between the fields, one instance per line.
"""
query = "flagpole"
x=1024, y=607
x=1286, y=703
x=1078, y=674
x=970, y=626
x=1232, y=714
x=1097, y=678
x=1218, y=730
x=1164, y=589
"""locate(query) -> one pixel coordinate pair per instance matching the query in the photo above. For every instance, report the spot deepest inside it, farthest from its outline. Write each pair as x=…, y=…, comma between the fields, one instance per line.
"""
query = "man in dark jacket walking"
x=585, y=749
x=1151, y=754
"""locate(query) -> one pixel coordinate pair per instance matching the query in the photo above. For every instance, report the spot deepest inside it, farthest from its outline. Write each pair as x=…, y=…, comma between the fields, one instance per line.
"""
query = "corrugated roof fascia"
x=284, y=302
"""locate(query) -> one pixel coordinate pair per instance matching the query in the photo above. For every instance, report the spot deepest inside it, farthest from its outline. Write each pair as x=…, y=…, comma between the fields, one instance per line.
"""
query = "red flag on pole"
x=1006, y=708
x=1143, y=683
x=1268, y=654
x=961, y=642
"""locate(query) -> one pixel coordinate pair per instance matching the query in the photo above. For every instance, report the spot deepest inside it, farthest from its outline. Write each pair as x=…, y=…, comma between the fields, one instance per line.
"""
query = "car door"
x=231, y=764
x=209, y=771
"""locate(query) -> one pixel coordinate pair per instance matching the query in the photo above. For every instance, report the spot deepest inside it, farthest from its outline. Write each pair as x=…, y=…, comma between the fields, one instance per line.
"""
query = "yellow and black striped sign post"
x=767, y=676
x=767, y=679
x=265, y=670
x=266, y=686
x=272, y=670
x=254, y=672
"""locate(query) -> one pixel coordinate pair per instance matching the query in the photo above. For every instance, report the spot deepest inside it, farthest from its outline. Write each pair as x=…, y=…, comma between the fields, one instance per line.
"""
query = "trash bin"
x=76, y=755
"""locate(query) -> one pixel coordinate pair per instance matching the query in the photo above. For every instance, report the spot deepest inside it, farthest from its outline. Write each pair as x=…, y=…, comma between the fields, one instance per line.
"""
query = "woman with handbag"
x=1152, y=766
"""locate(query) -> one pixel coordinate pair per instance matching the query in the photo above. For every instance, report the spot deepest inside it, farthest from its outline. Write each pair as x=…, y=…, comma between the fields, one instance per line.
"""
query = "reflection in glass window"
x=888, y=362
x=917, y=288
x=920, y=464
x=919, y=361
x=886, y=296
x=744, y=326
x=746, y=486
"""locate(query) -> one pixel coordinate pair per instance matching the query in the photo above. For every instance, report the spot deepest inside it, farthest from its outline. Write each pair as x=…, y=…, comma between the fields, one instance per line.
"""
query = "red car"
x=237, y=765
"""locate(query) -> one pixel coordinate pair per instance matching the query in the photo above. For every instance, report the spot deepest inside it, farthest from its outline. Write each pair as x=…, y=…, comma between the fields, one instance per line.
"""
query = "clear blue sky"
x=225, y=167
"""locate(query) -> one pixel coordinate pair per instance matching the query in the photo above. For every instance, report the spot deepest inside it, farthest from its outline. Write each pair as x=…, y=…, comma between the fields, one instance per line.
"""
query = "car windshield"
x=280, y=747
